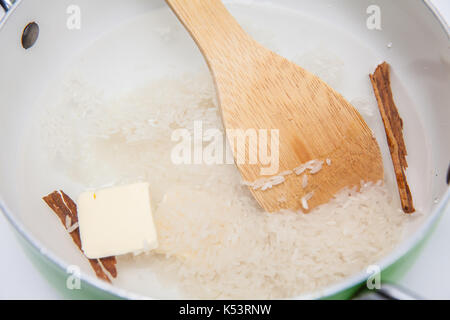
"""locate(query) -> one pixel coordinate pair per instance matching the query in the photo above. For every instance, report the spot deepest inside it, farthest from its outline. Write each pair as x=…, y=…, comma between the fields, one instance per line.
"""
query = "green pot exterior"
x=394, y=272
x=57, y=277
x=391, y=274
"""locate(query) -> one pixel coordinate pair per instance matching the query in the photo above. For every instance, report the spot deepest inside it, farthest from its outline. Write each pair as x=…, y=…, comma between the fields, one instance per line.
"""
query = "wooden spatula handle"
x=214, y=29
x=261, y=91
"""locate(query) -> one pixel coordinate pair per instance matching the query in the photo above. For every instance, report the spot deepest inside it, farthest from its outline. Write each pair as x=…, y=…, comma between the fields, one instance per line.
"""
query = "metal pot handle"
x=7, y=4
x=388, y=292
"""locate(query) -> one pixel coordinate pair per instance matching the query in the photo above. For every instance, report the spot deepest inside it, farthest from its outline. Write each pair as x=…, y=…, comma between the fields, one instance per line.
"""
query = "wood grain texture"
x=393, y=124
x=258, y=89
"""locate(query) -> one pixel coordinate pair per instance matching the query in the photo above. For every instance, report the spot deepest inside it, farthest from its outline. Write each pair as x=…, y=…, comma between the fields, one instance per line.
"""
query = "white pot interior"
x=419, y=56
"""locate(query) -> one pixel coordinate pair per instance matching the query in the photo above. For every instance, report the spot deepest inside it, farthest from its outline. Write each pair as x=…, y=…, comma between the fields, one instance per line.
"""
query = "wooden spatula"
x=258, y=89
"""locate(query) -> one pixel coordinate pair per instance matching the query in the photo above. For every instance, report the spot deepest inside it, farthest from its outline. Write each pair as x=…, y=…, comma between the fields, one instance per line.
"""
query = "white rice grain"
x=305, y=181
x=316, y=167
x=68, y=222
x=73, y=227
x=305, y=200
x=313, y=166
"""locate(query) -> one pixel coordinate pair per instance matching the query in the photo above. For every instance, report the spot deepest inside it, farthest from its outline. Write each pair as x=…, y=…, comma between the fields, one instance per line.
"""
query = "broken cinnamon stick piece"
x=109, y=263
x=393, y=125
x=65, y=208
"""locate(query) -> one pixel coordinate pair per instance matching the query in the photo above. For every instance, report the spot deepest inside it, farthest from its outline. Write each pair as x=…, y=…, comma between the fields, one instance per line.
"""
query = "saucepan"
x=40, y=39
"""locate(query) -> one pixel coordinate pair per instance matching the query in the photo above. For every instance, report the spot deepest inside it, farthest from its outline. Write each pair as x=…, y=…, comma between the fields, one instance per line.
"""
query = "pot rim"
x=404, y=248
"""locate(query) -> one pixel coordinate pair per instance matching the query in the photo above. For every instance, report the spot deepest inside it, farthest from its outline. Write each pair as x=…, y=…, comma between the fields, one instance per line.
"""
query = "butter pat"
x=116, y=221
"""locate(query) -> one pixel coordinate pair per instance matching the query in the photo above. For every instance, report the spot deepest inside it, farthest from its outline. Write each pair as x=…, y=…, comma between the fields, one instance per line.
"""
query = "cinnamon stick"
x=64, y=207
x=393, y=125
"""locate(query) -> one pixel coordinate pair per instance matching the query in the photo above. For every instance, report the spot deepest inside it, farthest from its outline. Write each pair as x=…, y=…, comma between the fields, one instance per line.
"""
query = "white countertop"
x=428, y=277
